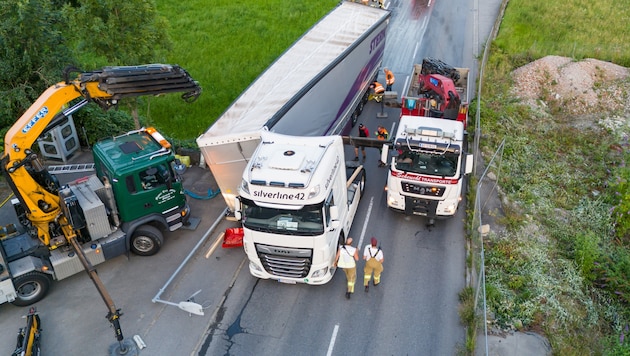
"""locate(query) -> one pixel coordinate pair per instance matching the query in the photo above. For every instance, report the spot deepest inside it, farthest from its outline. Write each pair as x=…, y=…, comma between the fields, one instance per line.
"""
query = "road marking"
x=415, y=51
x=365, y=223
x=214, y=245
x=332, y=340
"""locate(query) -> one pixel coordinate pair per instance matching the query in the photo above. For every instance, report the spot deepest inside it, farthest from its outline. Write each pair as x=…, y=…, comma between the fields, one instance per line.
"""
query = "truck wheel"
x=146, y=240
x=30, y=288
x=360, y=180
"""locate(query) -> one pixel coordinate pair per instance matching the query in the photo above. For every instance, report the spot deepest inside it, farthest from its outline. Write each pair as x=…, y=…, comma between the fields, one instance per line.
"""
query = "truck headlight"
x=392, y=200
x=450, y=209
x=320, y=272
x=245, y=186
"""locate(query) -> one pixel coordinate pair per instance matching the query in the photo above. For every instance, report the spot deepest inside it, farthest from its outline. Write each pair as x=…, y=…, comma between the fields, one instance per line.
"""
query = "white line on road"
x=415, y=51
x=365, y=223
x=332, y=340
x=215, y=245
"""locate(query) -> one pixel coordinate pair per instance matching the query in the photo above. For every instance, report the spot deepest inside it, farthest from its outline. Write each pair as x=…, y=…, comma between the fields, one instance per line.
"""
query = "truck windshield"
x=307, y=221
x=444, y=165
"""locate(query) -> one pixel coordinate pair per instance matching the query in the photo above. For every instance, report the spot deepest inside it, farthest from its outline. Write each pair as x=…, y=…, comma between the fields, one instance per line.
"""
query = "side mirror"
x=237, y=209
x=469, y=164
x=384, y=153
x=334, y=225
x=334, y=213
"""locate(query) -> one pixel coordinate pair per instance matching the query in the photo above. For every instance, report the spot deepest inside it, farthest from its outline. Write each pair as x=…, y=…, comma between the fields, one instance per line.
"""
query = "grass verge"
x=558, y=268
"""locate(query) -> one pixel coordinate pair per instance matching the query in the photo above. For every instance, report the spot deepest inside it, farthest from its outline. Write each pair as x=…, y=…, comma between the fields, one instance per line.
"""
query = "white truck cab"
x=426, y=176
x=296, y=206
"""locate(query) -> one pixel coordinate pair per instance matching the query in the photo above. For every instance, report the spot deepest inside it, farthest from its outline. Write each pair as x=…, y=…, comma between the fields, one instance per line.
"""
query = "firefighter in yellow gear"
x=389, y=79
x=346, y=258
x=373, y=257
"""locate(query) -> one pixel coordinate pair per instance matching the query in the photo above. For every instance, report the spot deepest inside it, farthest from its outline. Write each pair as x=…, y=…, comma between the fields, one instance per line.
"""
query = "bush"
x=94, y=124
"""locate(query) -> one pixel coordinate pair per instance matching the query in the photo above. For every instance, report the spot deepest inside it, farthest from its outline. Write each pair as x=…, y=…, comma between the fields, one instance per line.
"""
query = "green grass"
x=225, y=45
x=560, y=267
x=573, y=28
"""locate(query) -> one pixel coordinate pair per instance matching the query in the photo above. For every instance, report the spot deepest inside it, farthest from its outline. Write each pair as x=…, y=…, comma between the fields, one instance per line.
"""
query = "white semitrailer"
x=297, y=201
x=317, y=87
x=426, y=177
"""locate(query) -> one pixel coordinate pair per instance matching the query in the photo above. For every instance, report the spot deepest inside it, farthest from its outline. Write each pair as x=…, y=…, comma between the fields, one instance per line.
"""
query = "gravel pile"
x=587, y=87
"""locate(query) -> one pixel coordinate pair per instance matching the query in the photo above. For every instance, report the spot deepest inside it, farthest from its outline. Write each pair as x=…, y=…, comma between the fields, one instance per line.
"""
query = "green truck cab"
x=147, y=192
x=125, y=206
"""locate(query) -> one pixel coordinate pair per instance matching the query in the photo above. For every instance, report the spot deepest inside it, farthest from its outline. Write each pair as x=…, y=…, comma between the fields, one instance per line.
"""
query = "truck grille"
x=285, y=262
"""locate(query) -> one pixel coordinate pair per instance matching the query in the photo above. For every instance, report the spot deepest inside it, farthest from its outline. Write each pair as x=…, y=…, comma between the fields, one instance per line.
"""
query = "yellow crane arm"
x=105, y=87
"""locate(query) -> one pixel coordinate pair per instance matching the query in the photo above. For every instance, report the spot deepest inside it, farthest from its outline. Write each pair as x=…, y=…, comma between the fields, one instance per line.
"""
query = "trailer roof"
x=294, y=69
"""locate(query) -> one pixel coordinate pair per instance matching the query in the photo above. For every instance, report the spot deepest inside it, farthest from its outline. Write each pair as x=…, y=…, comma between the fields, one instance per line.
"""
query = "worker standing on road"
x=376, y=91
x=381, y=134
x=389, y=79
x=363, y=132
x=373, y=257
x=347, y=257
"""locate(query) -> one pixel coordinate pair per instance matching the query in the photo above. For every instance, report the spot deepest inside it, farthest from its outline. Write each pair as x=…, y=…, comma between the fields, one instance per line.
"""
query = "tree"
x=32, y=55
x=118, y=32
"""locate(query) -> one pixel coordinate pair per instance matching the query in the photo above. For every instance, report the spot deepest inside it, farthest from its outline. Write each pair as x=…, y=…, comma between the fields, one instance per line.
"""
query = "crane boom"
x=104, y=87
x=37, y=190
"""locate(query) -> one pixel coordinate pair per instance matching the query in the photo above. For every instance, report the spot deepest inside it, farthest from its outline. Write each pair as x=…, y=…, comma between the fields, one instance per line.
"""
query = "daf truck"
x=317, y=87
x=297, y=200
x=426, y=174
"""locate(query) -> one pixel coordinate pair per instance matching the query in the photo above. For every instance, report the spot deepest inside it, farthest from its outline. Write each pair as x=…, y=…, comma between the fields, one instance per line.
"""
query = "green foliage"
x=576, y=28
x=563, y=264
x=586, y=254
x=94, y=124
x=117, y=32
x=33, y=54
x=620, y=185
x=617, y=345
x=225, y=46
x=468, y=317
x=612, y=271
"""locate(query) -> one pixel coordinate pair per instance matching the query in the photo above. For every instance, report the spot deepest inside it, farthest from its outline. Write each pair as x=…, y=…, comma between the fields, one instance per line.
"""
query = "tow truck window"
x=424, y=163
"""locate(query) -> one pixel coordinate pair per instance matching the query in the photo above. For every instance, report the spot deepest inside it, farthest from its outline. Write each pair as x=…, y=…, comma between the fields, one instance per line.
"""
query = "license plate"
x=287, y=281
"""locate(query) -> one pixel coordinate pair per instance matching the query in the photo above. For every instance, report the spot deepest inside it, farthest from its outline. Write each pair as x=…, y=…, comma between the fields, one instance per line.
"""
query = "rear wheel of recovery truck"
x=30, y=288
x=146, y=240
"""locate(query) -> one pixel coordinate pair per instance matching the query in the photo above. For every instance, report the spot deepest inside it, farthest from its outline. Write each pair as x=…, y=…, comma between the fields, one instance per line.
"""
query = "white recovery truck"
x=317, y=87
x=298, y=198
x=426, y=177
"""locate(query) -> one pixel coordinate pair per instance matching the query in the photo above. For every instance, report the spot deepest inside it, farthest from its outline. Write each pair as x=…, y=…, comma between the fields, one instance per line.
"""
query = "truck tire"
x=30, y=288
x=360, y=180
x=146, y=240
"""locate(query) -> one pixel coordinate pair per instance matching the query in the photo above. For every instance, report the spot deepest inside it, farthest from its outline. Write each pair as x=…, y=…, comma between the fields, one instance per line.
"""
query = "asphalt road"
x=413, y=311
